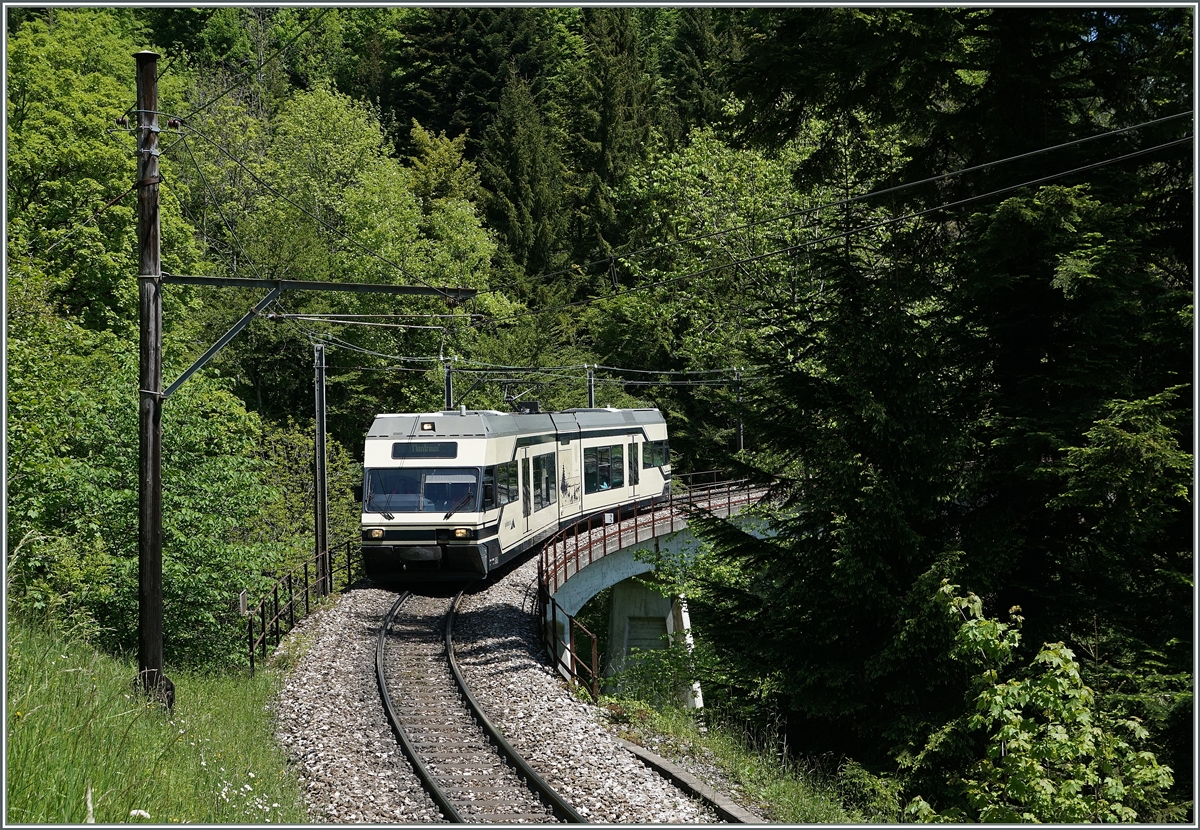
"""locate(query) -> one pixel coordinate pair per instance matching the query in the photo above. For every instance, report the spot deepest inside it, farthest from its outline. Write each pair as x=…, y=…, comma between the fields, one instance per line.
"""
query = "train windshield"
x=422, y=490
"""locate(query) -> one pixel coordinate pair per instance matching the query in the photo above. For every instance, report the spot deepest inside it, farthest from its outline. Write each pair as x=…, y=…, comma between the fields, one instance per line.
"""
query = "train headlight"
x=462, y=533
x=375, y=533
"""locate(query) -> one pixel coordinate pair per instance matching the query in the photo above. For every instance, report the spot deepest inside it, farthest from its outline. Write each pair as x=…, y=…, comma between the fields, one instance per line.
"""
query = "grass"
x=76, y=732
x=787, y=791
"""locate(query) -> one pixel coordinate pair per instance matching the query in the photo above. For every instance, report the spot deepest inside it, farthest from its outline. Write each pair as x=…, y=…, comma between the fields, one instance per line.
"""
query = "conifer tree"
x=691, y=67
x=456, y=61
x=612, y=125
x=1065, y=371
x=522, y=175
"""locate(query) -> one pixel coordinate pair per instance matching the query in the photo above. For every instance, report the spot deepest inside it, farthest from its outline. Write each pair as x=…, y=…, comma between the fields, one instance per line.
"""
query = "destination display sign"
x=425, y=449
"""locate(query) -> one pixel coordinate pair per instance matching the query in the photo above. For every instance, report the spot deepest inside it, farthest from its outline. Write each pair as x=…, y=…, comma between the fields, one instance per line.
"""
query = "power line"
x=247, y=76
x=845, y=234
x=473, y=367
x=848, y=201
x=331, y=340
x=490, y=376
x=331, y=317
x=519, y=368
x=676, y=372
x=678, y=383
x=220, y=211
x=320, y=222
x=314, y=318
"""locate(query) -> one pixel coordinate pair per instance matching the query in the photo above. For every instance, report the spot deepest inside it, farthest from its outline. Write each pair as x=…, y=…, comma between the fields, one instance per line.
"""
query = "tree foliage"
x=72, y=511
x=948, y=252
x=1052, y=755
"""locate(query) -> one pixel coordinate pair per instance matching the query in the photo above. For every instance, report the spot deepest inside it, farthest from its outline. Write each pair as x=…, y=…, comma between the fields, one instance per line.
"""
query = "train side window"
x=551, y=467
x=633, y=463
x=591, y=481
x=603, y=468
x=511, y=474
x=499, y=485
x=538, y=500
x=544, y=493
x=656, y=454
x=489, y=488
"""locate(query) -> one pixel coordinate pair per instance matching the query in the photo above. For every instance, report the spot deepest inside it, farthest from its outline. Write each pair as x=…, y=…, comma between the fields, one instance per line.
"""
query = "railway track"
x=469, y=770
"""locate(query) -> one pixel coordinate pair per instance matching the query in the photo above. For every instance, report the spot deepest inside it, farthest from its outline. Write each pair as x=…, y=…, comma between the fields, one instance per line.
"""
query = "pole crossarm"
x=317, y=285
x=278, y=287
x=223, y=340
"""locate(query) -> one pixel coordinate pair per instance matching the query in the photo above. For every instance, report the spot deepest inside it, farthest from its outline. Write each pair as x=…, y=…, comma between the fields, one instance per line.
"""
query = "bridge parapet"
x=620, y=530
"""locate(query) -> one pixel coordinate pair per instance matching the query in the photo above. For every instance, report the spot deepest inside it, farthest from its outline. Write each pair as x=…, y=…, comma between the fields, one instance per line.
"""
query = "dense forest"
x=936, y=263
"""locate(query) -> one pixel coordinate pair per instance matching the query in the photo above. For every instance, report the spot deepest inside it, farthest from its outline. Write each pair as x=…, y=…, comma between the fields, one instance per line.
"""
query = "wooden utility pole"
x=321, y=489
x=150, y=389
x=741, y=441
x=591, y=386
x=150, y=597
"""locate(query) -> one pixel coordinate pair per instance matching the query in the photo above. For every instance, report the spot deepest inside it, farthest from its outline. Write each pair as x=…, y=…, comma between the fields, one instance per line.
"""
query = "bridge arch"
x=612, y=548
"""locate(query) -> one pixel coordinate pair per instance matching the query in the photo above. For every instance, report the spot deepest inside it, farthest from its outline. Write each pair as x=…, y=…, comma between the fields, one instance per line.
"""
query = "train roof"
x=485, y=423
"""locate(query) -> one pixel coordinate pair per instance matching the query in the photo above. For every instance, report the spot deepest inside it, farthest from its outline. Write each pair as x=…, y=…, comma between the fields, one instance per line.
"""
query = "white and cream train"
x=459, y=493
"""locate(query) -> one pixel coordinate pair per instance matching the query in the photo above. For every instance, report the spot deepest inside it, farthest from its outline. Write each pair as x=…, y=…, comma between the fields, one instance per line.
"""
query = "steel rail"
x=552, y=799
x=435, y=792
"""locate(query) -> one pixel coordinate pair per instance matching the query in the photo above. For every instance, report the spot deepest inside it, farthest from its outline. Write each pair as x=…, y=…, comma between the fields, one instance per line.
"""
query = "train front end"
x=421, y=498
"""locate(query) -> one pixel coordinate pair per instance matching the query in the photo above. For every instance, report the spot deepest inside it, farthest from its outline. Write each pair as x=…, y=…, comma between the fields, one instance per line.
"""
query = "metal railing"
x=578, y=546
x=574, y=666
x=315, y=578
x=574, y=548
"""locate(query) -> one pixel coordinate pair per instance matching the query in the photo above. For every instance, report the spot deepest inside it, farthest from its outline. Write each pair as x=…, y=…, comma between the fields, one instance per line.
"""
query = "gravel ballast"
x=500, y=655
x=332, y=724
x=333, y=727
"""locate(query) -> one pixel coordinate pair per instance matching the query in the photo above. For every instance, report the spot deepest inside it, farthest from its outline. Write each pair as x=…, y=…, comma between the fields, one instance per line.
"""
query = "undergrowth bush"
x=761, y=771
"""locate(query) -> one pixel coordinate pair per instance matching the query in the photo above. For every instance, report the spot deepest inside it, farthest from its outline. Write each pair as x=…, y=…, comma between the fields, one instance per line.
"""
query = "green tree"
x=454, y=63
x=1052, y=754
x=611, y=125
x=71, y=232
x=695, y=214
x=692, y=69
x=522, y=173
x=949, y=381
x=72, y=508
x=330, y=202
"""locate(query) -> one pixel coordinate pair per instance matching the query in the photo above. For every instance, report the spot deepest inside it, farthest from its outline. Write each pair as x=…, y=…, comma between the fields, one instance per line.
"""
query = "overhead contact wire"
x=320, y=222
x=849, y=200
x=845, y=234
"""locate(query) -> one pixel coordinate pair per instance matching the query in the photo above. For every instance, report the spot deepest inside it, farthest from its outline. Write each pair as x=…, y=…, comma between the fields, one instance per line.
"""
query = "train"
x=456, y=494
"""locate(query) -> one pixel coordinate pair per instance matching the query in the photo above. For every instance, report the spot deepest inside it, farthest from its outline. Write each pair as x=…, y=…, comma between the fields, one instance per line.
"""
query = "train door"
x=570, y=480
x=633, y=465
x=526, y=489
